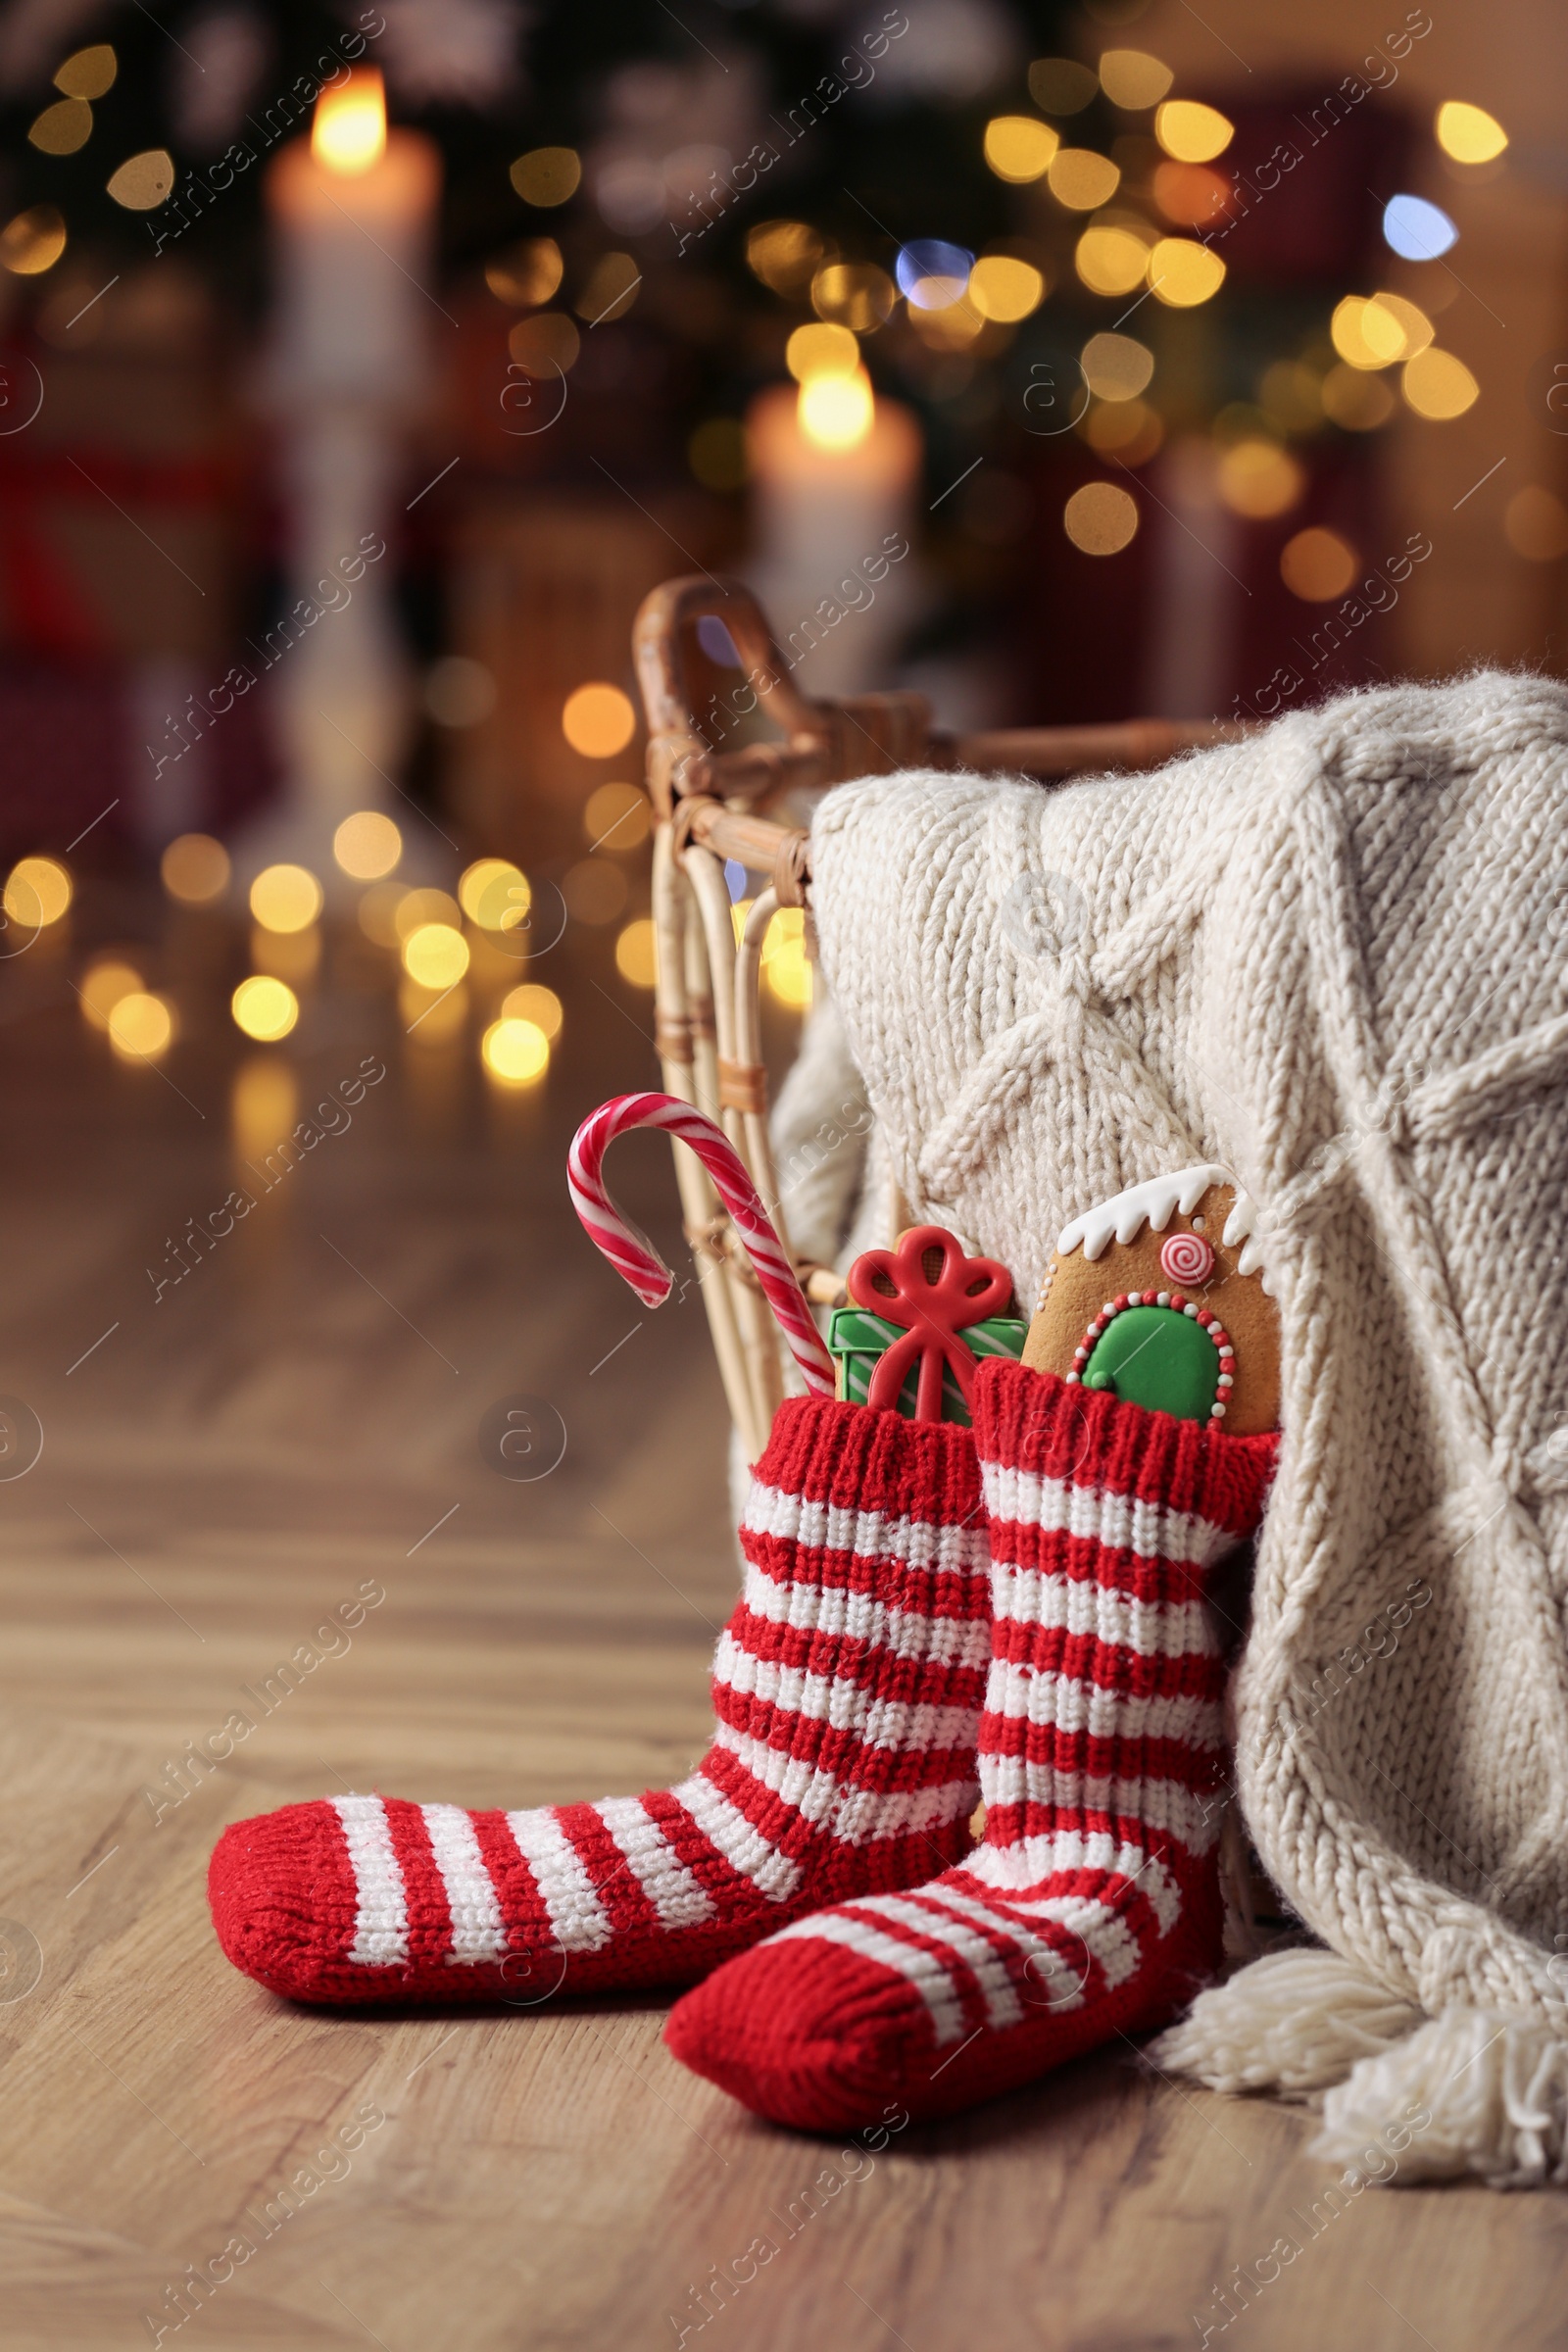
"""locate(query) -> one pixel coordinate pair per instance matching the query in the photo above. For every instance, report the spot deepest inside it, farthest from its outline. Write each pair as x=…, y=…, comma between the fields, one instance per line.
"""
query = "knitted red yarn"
x=847, y=1685
x=1092, y=1907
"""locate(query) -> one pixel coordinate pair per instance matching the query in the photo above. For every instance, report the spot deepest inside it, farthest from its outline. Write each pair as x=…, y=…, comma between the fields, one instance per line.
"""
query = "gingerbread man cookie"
x=1159, y=1294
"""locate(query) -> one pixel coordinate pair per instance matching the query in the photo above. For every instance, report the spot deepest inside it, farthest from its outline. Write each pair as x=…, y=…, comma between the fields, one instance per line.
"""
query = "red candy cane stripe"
x=632, y=1254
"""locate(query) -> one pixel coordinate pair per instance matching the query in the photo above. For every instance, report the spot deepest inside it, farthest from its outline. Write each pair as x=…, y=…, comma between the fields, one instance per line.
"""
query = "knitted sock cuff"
x=1035, y=1423
x=858, y=1460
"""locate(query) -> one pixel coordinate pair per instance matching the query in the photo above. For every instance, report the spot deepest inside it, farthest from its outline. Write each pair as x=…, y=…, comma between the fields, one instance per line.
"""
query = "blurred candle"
x=834, y=473
x=353, y=212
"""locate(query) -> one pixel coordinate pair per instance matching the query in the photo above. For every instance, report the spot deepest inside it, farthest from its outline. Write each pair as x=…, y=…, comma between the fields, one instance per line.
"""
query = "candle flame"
x=348, y=135
x=837, y=412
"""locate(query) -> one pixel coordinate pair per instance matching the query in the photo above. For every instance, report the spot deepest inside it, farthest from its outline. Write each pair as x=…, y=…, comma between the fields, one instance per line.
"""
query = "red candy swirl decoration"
x=933, y=1305
x=1187, y=1258
x=632, y=1254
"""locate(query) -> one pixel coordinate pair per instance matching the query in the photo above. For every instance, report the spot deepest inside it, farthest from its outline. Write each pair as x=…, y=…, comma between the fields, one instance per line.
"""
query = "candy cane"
x=632, y=1254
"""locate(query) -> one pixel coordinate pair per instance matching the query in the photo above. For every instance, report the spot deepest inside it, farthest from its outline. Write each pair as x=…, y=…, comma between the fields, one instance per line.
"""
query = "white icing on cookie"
x=1154, y=1204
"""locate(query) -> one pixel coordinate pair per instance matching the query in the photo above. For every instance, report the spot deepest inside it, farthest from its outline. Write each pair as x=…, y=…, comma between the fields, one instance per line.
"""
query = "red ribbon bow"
x=931, y=1308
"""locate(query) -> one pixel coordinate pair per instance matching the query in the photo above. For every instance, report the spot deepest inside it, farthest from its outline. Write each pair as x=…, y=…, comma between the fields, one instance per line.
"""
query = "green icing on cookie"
x=1158, y=1358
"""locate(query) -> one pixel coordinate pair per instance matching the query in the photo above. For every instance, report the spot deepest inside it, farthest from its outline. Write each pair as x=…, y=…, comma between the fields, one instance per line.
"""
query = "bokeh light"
x=786, y=967
x=1004, y=288
x=285, y=897
x=195, y=870
x=1258, y=479
x=1535, y=522
x=366, y=845
x=1438, y=385
x=348, y=129
x=436, y=954
x=1082, y=179
x=1355, y=400
x=140, y=1026
x=61, y=128
x=546, y=176
x=417, y=907
x=1468, y=133
x=145, y=181
x=515, y=1051
x=836, y=412
x=1418, y=231
x=598, y=721
x=37, y=893
x=1100, y=519
x=1133, y=79
x=545, y=344
x=1184, y=274
x=1317, y=565
x=854, y=294
x=527, y=273
x=617, y=816
x=785, y=255
x=266, y=1008
x=821, y=349
x=1192, y=195
x=637, y=953
x=1116, y=367
x=32, y=241
x=88, y=73
x=931, y=273
x=1020, y=147
x=262, y=1105
x=103, y=985
x=1111, y=258
x=1193, y=134
x=534, y=1003
x=495, y=895
x=1129, y=430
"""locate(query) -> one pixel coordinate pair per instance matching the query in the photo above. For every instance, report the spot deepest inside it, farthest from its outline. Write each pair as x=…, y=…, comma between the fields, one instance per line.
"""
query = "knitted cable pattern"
x=1331, y=959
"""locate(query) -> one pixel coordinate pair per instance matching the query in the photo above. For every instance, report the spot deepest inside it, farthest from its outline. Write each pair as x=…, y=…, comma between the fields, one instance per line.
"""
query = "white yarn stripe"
x=478, y=1930
x=923, y=1970
x=1060, y=1974
x=870, y=1535
x=856, y=1617
x=1071, y=1703
x=853, y=1814
x=1020, y=1874
x=1162, y=1805
x=1119, y=1522
x=380, y=1908
x=1170, y=1629
x=577, y=1917
x=929, y=1915
x=844, y=1704
x=743, y=1846
x=678, y=1897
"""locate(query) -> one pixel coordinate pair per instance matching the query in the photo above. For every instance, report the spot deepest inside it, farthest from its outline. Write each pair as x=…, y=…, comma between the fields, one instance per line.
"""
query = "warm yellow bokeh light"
x=854, y=294
x=378, y=912
x=1019, y=148
x=1129, y=430
x=1116, y=367
x=264, y=1007
x=1438, y=385
x=785, y=255
x=1005, y=289
x=545, y=344
x=786, y=966
x=637, y=953
x=1535, y=522
x=617, y=816
x=1133, y=79
x=515, y=1051
x=1080, y=179
x=1184, y=274
x=1372, y=332
x=32, y=241
x=1111, y=259
x=88, y=73
x=63, y=128
x=37, y=893
x=546, y=176
x=144, y=181
x=285, y=897
x=598, y=721
x=948, y=325
x=1317, y=565
x=417, y=907
x=103, y=985
x=496, y=895
x=1192, y=195
x=262, y=1105
x=1100, y=519
x=195, y=870
x=527, y=273
x=348, y=130
x=436, y=955
x=534, y=1003
x=140, y=1026
x=1257, y=478
x=1416, y=330
x=836, y=412
x=821, y=349
x=1468, y=133
x=366, y=845
x=1193, y=134
x=1357, y=401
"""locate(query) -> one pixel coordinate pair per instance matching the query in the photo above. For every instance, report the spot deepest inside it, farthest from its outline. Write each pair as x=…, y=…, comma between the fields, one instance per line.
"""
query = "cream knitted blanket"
x=1331, y=959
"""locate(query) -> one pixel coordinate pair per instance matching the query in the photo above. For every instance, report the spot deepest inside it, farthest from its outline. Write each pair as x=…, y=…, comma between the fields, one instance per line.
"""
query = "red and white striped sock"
x=1091, y=1906
x=847, y=1687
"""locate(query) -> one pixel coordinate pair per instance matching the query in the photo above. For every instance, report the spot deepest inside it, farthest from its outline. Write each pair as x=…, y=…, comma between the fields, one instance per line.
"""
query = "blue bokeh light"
x=931, y=274
x=1417, y=231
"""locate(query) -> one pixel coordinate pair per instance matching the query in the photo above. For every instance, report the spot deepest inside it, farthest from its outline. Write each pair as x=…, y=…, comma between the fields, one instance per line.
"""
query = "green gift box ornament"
x=923, y=1313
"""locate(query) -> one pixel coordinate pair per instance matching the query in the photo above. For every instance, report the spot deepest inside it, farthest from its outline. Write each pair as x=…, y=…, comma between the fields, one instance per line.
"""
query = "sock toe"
x=282, y=1900
x=804, y=2034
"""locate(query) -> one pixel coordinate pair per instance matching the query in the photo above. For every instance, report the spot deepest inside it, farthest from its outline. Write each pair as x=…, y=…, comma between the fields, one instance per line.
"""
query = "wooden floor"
x=298, y=1421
